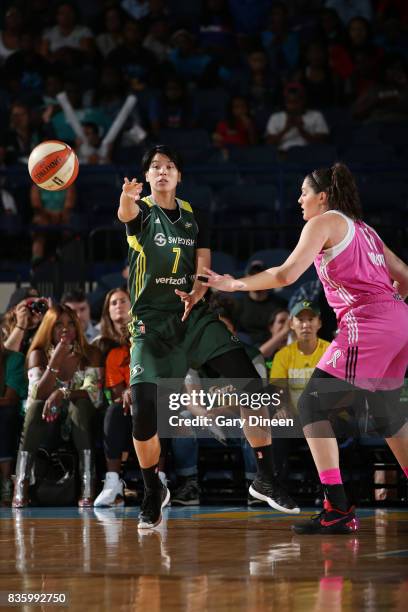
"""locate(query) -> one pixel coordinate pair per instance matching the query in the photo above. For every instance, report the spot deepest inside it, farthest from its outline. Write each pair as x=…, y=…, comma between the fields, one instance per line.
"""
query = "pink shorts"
x=371, y=349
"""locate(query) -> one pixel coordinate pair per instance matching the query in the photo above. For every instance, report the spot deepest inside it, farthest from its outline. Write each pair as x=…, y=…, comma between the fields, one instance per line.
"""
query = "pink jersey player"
x=371, y=348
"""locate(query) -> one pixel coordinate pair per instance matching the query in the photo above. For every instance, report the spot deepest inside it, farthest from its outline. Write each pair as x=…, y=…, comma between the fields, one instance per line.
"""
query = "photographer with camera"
x=24, y=314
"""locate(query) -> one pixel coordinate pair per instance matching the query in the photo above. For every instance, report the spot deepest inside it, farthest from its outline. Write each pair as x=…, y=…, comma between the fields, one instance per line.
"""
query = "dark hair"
x=162, y=149
x=76, y=295
x=275, y=313
x=340, y=186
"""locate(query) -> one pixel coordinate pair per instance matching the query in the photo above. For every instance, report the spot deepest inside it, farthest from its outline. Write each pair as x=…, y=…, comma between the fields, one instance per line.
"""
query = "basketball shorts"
x=165, y=347
x=371, y=348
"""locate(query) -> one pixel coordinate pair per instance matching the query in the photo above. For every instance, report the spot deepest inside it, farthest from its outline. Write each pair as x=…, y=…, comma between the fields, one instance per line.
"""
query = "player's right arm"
x=398, y=271
x=128, y=203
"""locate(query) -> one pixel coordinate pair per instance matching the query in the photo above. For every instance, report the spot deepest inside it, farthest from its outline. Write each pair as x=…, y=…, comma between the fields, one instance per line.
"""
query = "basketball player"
x=370, y=352
x=172, y=329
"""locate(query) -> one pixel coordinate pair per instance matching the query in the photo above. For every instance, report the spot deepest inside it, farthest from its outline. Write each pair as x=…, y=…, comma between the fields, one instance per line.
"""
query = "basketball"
x=53, y=165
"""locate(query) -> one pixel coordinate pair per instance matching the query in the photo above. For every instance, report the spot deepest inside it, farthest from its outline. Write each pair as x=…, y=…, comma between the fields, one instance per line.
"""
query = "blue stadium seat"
x=270, y=257
x=261, y=197
x=200, y=196
x=368, y=155
x=224, y=263
x=312, y=155
x=185, y=139
x=211, y=105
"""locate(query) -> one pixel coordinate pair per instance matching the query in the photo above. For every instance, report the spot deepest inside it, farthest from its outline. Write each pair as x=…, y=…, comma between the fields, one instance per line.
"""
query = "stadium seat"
x=368, y=155
x=211, y=105
x=312, y=155
x=270, y=257
x=200, y=196
x=223, y=263
x=260, y=197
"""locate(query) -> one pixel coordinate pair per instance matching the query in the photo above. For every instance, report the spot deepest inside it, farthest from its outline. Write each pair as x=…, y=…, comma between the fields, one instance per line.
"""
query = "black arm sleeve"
x=204, y=230
x=136, y=225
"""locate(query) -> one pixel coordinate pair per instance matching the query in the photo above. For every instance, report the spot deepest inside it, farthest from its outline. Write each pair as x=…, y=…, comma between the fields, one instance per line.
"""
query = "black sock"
x=336, y=496
x=264, y=460
x=151, y=477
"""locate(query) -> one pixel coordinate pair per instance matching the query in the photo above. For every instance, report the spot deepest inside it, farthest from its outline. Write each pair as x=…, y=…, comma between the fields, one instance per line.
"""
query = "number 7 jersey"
x=162, y=258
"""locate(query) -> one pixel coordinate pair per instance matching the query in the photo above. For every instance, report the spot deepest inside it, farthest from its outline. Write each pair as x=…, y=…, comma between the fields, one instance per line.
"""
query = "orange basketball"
x=53, y=165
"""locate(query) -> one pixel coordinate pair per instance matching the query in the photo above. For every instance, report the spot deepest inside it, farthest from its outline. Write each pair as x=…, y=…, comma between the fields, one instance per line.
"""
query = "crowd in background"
x=281, y=65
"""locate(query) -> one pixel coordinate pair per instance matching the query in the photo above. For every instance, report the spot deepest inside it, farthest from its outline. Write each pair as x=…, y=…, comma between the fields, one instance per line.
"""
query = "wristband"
x=53, y=370
x=65, y=392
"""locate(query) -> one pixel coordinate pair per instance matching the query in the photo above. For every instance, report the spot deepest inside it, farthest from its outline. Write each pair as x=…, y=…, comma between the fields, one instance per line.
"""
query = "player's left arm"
x=312, y=239
x=398, y=271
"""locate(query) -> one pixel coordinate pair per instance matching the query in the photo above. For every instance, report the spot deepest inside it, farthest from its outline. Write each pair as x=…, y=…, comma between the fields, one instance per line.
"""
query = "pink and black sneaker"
x=329, y=521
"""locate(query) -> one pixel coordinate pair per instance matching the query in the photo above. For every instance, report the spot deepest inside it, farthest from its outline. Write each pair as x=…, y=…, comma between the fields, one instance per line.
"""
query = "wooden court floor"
x=206, y=558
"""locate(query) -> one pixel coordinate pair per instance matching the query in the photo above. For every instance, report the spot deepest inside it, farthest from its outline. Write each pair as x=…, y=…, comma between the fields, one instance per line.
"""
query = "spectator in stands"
x=346, y=10
x=279, y=329
x=280, y=43
x=392, y=37
x=387, y=100
x=216, y=29
x=10, y=36
x=322, y=87
x=296, y=126
x=114, y=320
x=50, y=209
x=90, y=152
x=25, y=70
x=68, y=43
x=252, y=311
x=259, y=85
x=21, y=136
x=24, y=313
x=189, y=61
x=117, y=426
x=157, y=41
x=249, y=17
x=13, y=389
x=332, y=33
x=312, y=291
x=110, y=91
x=237, y=129
x=365, y=57
x=64, y=374
x=173, y=109
x=137, y=65
x=291, y=369
x=60, y=124
x=111, y=36
x=77, y=301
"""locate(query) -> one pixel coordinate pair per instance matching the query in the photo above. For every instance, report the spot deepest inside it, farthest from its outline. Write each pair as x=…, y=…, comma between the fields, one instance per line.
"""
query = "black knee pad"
x=144, y=411
x=309, y=408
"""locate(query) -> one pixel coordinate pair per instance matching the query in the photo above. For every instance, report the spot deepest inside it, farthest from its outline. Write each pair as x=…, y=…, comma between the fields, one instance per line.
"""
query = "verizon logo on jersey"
x=377, y=259
x=171, y=281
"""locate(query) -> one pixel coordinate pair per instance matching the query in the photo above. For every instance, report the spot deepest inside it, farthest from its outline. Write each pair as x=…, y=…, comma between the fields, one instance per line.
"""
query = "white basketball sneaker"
x=112, y=494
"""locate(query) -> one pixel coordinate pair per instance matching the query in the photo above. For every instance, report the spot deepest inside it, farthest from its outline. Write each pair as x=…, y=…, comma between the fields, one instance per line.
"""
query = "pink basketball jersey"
x=354, y=271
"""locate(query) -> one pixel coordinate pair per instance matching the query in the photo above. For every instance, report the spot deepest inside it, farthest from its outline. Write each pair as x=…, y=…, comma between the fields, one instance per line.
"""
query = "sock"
x=151, y=477
x=405, y=470
x=264, y=460
x=330, y=477
x=112, y=476
x=336, y=496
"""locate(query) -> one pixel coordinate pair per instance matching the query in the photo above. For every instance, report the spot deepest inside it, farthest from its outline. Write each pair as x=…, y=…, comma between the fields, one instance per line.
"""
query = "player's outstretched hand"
x=132, y=188
x=222, y=282
x=189, y=302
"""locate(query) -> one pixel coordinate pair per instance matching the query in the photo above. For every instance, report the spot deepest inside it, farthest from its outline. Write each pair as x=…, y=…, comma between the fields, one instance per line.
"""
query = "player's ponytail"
x=340, y=186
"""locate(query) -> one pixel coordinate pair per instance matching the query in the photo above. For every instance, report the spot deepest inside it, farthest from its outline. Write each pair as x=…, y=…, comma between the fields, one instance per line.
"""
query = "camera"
x=37, y=306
